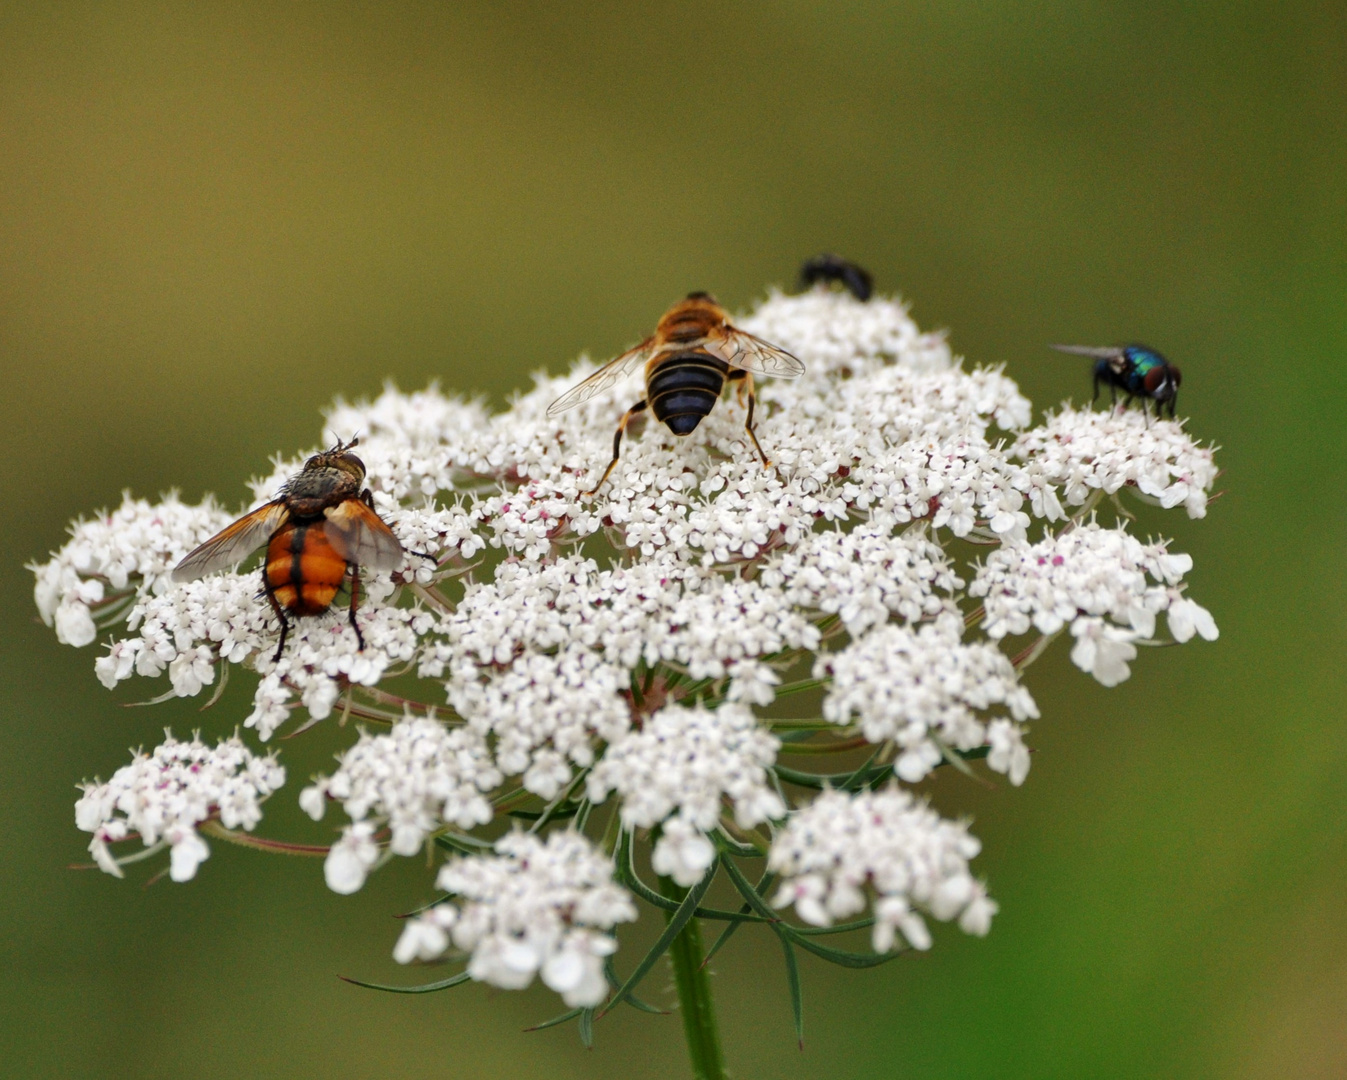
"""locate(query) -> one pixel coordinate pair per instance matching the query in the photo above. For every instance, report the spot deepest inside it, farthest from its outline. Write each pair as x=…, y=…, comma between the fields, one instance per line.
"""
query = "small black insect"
x=825, y=269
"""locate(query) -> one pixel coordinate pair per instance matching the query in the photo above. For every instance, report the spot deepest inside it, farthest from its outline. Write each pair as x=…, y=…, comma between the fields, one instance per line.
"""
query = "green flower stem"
x=694, y=993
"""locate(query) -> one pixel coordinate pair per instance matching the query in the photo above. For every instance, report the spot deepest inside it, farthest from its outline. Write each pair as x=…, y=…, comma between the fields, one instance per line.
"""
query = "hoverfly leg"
x=355, y=604
x=627, y=418
x=747, y=397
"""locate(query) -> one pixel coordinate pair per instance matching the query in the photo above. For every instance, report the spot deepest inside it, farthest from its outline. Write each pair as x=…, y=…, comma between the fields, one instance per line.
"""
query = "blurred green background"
x=213, y=220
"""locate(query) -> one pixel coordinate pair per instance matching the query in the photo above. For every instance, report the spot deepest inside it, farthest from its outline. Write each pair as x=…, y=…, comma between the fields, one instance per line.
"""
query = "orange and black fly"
x=320, y=529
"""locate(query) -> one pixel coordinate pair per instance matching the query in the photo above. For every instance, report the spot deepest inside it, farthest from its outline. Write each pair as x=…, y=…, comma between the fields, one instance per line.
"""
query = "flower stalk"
x=693, y=983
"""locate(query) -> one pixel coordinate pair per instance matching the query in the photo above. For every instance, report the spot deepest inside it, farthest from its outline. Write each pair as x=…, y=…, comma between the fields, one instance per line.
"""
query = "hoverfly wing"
x=605, y=378
x=740, y=349
x=1116, y=356
x=361, y=537
x=233, y=543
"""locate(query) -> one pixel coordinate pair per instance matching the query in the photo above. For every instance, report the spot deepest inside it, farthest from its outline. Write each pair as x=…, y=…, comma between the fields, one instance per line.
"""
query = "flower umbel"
x=163, y=796
x=707, y=665
x=536, y=908
x=906, y=853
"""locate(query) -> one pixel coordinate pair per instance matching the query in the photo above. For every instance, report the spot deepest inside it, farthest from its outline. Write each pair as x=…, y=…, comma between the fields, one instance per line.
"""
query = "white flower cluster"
x=884, y=429
x=416, y=778
x=842, y=337
x=1081, y=451
x=627, y=641
x=923, y=690
x=889, y=841
x=539, y=907
x=866, y=575
x=164, y=795
x=540, y=656
x=678, y=768
x=546, y=712
x=1081, y=578
x=133, y=547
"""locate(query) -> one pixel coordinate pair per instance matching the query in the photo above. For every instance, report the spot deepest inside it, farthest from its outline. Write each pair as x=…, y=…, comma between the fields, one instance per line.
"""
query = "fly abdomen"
x=685, y=387
x=304, y=571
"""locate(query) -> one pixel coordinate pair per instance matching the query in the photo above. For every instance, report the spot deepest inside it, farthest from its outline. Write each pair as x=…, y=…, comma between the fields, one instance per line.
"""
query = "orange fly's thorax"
x=304, y=570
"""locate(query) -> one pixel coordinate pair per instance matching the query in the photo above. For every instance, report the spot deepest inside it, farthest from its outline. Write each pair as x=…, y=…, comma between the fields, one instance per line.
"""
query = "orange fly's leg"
x=627, y=418
x=744, y=391
x=280, y=616
x=355, y=604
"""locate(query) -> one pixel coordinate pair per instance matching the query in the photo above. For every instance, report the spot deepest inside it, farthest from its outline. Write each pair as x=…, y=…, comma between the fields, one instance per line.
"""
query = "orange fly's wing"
x=361, y=537
x=233, y=543
x=605, y=378
x=740, y=349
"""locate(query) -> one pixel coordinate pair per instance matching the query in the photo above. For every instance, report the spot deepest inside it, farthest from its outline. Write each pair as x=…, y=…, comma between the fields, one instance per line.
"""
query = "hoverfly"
x=321, y=527
x=829, y=268
x=1136, y=370
x=693, y=352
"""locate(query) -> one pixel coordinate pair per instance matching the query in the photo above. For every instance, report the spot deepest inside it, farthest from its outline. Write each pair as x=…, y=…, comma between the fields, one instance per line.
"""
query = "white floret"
x=164, y=795
x=681, y=765
x=131, y=549
x=865, y=576
x=841, y=850
x=536, y=908
x=545, y=712
x=1104, y=583
x=928, y=692
x=413, y=779
x=1081, y=451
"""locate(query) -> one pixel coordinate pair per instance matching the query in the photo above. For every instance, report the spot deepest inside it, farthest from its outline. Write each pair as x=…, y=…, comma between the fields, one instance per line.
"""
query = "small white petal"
x=421, y=939
x=186, y=855
x=313, y=801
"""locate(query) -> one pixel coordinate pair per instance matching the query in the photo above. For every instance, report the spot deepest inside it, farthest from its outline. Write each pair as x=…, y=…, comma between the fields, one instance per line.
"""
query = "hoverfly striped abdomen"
x=304, y=571
x=685, y=387
x=693, y=352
